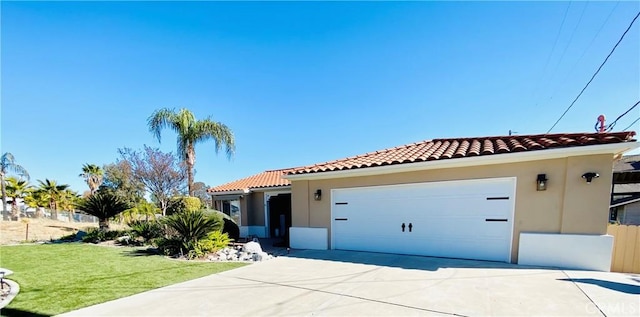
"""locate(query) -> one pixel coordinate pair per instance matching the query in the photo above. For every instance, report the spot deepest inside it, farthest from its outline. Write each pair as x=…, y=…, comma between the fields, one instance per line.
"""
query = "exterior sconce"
x=541, y=182
x=317, y=195
x=590, y=176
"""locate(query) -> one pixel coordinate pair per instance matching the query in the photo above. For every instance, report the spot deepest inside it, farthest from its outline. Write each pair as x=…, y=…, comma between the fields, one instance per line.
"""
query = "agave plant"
x=103, y=206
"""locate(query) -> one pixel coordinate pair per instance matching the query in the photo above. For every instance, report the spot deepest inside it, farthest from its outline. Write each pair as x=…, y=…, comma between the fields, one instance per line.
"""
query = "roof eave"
x=230, y=192
x=270, y=188
x=535, y=155
x=624, y=203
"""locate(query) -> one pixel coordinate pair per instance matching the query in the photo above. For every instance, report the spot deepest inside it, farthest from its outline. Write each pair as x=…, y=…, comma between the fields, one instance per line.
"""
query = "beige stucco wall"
x=569, y=205
x=245, y=204
x=256, y=213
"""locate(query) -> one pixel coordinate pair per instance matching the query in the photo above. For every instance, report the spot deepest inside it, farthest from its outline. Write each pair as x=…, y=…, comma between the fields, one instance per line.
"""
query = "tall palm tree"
x=191, y=131
x=8, y=165
x=93, y=175
x=53, y=192
x=16, y=189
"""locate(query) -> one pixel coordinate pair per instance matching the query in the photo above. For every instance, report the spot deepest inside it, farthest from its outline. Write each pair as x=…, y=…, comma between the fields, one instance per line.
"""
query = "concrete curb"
x=15, y=289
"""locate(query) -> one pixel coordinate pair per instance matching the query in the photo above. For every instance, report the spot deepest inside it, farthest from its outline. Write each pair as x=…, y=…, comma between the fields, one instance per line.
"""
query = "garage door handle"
x=341, y=219
x=403, y=226
x=496, y=220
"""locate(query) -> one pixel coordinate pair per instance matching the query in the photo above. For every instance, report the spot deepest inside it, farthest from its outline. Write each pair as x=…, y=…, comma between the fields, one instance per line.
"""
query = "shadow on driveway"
x=619, y=287
x=403, y=261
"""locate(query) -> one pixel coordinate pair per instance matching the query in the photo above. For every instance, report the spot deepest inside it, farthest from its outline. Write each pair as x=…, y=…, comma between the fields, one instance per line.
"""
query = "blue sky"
x=302, y=82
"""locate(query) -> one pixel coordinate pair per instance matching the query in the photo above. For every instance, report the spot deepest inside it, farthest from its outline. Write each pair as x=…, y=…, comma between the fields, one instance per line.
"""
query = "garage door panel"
x=464, y=219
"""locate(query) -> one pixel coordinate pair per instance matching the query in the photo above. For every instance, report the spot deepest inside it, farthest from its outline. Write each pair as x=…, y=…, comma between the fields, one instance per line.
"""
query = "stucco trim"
x=272, y=188
x=614, y=149
x=230, y=192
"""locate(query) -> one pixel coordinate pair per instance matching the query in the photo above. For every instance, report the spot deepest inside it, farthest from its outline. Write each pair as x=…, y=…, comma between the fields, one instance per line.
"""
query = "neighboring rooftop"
x=627, y=171
x=265, y=179
x=442, y=149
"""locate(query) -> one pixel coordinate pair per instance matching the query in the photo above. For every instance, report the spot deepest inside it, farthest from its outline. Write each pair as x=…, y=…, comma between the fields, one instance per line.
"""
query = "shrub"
x=230, y=227
x=214, y=241
x=168, y=246
x=69, y=237
x=95, y=235
x=182, y=204
x=147, y=230
x=190, y=227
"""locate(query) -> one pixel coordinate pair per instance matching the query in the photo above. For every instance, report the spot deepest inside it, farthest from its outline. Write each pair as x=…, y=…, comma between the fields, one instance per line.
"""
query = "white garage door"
x=469, y=219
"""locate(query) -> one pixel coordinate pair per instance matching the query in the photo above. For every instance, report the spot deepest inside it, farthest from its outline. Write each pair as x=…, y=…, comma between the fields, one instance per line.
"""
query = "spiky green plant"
x=103, y=206
x=147, y=230
x=191, y=226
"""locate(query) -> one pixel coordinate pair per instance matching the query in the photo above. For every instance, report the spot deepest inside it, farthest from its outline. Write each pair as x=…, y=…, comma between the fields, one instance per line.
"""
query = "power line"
x=596, y=73
x=632, y=123
x=553, y=48
x=613, y=124
x=564, y=51
x=584, y=51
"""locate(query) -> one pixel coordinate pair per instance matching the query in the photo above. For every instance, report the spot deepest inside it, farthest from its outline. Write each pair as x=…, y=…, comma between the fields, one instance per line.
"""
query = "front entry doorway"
x=280, y=217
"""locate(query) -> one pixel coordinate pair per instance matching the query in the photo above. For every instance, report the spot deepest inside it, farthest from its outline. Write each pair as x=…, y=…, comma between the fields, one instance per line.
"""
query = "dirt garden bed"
x=12, y=232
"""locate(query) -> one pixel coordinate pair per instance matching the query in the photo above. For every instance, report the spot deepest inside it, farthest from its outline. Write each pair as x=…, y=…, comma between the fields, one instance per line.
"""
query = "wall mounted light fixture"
x=317, y=195
x=590, y=176
x=541, y=182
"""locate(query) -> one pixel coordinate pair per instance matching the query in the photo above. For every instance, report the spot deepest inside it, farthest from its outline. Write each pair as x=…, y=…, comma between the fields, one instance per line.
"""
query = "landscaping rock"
x=125, y=240
x=252, y=253
x=252, y=247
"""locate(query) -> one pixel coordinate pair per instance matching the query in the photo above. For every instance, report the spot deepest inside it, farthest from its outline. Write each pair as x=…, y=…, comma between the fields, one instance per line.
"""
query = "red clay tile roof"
x=441, y=149
x=263, y=180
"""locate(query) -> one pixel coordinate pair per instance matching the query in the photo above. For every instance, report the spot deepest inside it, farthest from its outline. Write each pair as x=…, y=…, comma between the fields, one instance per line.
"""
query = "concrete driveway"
x=343, y=283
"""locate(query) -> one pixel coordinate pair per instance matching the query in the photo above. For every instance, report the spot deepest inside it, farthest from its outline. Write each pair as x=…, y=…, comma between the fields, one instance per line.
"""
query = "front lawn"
x=57, y=278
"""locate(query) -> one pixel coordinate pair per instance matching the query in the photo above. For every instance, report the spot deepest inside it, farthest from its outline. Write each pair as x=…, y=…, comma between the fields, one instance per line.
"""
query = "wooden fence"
x=626, y=248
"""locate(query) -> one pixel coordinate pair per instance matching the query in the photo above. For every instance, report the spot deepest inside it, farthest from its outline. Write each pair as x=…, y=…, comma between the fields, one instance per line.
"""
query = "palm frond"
x=163, y=118
x=220, y=133
x=8, y=164
x=102, y=205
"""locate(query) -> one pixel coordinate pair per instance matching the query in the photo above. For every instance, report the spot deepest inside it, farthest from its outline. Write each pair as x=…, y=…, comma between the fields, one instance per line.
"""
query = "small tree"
x=68, y=201
x=53, y=192
x=102, y=205
x=37, y=200
x=162, y=174
x=119, y=178
x=16, y=189
x=200, y=191
x=142, y=209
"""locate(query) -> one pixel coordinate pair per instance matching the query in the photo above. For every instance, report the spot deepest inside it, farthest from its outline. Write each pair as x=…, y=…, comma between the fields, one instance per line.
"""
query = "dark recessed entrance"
x=280, y=217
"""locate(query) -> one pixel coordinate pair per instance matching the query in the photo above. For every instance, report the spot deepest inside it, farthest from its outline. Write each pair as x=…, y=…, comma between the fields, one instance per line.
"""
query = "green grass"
x=57, y=278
